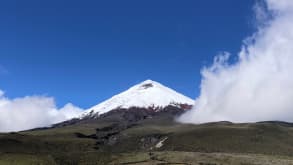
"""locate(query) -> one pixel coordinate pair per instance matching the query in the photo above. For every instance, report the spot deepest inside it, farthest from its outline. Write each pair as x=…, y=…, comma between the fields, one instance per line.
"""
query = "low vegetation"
x=120, y=139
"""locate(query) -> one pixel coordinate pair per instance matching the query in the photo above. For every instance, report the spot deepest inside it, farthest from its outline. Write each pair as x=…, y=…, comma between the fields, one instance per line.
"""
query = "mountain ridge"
x=147, y=94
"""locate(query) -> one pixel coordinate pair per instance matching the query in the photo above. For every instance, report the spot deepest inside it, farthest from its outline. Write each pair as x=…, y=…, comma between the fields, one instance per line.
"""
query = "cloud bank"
x=31, y=112
x=259, y=86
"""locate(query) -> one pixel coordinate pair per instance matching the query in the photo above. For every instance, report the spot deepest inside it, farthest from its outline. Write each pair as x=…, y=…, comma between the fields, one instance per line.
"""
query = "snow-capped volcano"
x=148, y=94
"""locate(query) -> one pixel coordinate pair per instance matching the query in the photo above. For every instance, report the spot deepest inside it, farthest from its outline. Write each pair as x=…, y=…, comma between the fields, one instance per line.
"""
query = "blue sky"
x=86, y=51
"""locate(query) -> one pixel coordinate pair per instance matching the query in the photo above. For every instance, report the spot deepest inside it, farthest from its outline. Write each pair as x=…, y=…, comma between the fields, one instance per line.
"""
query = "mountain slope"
x=148, y=94
x=108, y=141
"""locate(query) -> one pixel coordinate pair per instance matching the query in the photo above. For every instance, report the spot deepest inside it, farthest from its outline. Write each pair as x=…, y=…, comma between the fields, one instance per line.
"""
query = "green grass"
x=196, y=158
x=145, y=158
x=214, y=142
x=25, y=159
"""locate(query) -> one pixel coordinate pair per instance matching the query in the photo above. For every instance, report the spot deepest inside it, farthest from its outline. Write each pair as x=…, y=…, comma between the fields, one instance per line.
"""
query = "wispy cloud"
x=31, y=112
x=260, y=85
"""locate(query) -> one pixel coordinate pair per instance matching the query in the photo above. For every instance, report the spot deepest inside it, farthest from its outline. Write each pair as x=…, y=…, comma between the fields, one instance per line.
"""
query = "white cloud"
x=259, y=86
x=281, y=6
x=31, y=112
